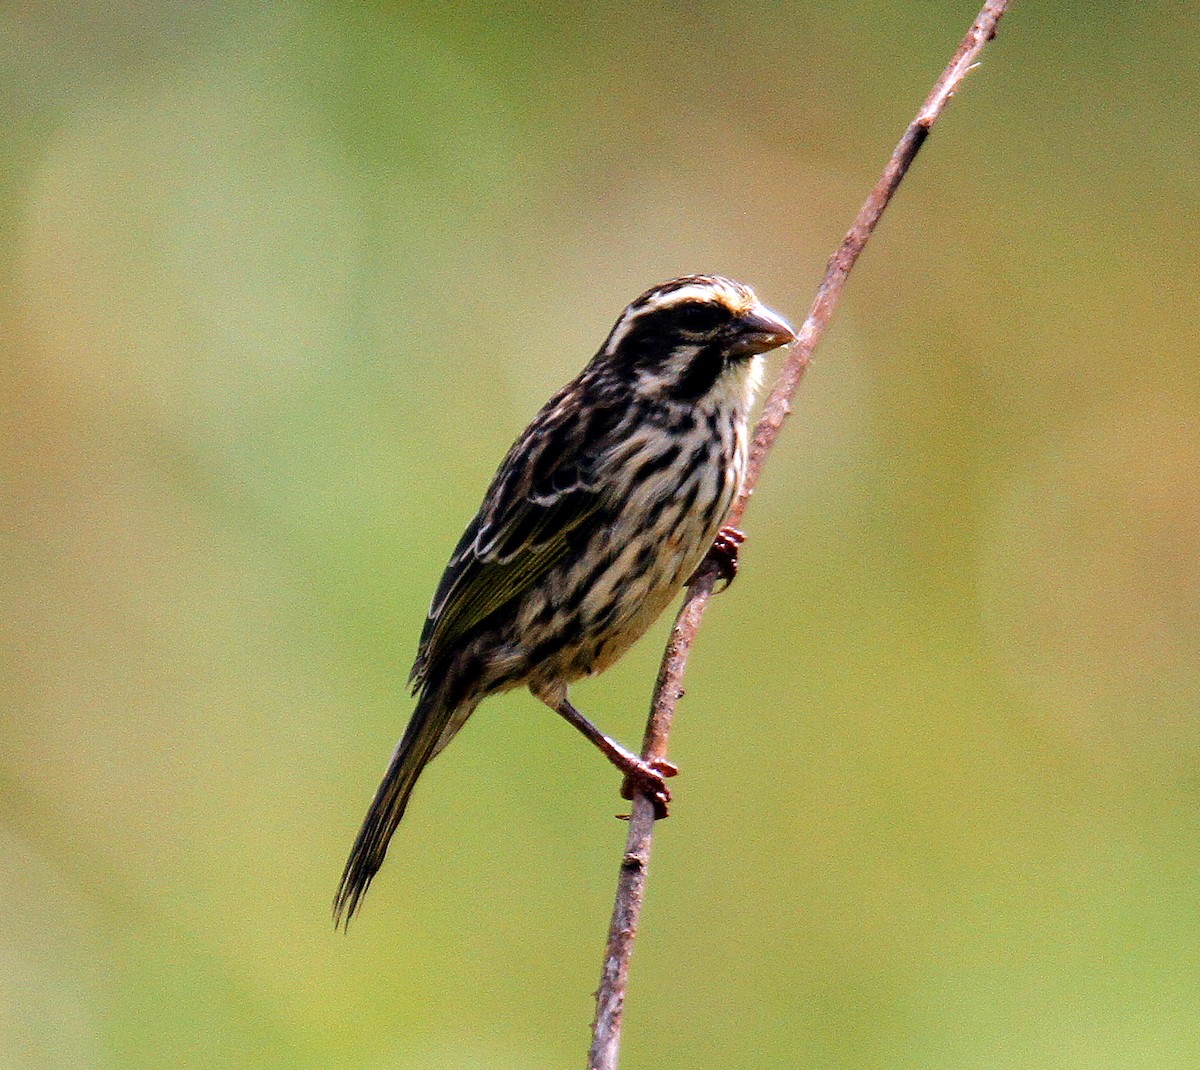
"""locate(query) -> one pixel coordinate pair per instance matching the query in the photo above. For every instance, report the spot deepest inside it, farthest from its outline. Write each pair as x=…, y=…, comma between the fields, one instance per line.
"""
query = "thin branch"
x=631, y=885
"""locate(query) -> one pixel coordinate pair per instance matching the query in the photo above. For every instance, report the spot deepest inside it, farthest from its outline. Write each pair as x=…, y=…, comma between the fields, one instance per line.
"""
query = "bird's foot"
x=649, y=778
x=722, y=555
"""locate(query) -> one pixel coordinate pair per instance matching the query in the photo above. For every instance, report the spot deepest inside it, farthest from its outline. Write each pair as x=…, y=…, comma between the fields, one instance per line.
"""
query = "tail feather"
x=422, y=740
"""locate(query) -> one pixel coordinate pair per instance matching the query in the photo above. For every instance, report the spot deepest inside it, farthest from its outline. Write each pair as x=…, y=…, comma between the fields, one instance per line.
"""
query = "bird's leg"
x=648, y=777
x=723, y=554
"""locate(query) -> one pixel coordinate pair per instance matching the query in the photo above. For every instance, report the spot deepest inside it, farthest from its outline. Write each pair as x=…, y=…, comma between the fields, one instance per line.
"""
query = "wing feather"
x=531, y=517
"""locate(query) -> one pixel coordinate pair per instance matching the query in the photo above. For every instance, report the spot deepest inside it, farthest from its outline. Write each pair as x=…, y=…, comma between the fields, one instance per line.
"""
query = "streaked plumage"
x=598, y=515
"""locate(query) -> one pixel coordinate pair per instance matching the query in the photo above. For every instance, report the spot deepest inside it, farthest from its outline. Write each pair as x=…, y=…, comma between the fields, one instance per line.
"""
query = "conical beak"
x=760, y=330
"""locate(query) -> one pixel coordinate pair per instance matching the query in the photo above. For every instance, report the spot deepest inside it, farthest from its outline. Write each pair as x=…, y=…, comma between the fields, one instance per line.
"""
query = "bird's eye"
x=699, y=316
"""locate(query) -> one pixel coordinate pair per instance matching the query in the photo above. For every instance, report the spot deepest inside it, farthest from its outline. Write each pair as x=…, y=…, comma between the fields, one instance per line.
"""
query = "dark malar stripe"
x=698, y=377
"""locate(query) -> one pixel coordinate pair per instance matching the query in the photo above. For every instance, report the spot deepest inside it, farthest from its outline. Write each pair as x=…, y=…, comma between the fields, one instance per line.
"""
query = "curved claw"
x=723, y=556
x=664, y=766
x=649, y=779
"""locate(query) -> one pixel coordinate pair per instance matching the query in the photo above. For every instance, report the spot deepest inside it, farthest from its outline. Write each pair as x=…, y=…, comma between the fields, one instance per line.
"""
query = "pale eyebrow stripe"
x=733, y=297
x=694, y=292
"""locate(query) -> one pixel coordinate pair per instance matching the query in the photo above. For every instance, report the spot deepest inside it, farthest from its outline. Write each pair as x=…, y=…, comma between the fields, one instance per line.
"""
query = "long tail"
x=427, y=732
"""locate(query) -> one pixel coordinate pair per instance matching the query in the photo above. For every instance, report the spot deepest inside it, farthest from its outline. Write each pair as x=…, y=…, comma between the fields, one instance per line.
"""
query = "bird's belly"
x=605, y=599
x=643, y=597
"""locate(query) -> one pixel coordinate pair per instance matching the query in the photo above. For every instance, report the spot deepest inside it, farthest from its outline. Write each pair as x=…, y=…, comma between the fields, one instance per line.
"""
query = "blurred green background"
x=281, y=282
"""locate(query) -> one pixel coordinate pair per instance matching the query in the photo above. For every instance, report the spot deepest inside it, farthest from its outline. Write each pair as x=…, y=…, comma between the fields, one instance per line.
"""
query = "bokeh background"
x=280, y=284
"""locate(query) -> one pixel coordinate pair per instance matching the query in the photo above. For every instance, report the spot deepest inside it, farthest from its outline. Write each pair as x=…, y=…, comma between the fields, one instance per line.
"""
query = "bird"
x=602, y=510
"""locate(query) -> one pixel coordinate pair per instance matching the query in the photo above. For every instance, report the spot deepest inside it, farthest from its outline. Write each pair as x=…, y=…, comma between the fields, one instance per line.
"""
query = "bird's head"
x=693, y=337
